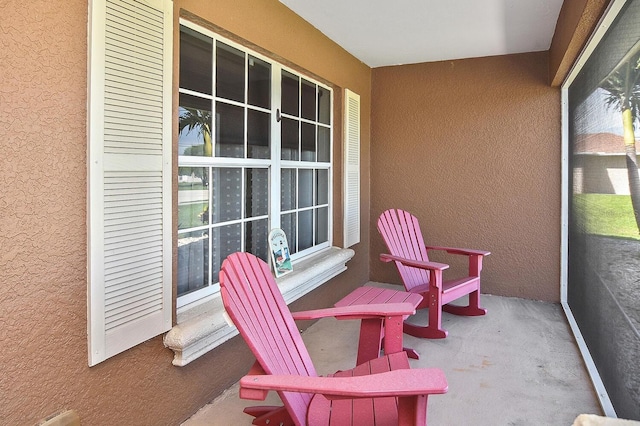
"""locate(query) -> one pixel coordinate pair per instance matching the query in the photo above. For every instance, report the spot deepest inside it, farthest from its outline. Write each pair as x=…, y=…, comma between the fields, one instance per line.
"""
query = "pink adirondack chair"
x=381, y=391
x=401, y=233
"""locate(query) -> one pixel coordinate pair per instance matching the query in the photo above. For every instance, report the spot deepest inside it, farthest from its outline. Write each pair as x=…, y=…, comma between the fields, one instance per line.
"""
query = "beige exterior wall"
x=43, y=235
x=472, y=148
x=476, y=155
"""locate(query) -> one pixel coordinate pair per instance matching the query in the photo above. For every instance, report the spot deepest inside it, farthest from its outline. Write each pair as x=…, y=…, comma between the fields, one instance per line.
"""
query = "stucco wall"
x=472, y=148
x=43, y=236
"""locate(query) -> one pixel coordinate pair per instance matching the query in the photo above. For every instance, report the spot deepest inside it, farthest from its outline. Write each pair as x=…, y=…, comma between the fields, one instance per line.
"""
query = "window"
x=254, y=153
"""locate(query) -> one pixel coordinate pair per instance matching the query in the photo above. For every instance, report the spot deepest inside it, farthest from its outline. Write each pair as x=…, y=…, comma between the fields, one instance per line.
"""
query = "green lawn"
x=604, y=214
x=190, y=215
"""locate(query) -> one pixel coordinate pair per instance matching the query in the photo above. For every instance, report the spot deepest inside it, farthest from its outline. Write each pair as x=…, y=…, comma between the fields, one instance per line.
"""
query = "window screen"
x=603, y=290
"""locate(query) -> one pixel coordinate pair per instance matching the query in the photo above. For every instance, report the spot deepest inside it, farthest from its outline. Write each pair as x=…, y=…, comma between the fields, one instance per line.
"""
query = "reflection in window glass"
x=230, y=143
x=258, y=134
x=259, y=83
x=324, y=105
x=229, y=73
x=308, y=104
x=290, y=94
x=194, y=126
x=229, y=130
x=193, y=197
x=196, y=61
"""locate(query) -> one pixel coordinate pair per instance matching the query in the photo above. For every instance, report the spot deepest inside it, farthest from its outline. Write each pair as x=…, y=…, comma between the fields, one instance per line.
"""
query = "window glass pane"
x=256, y=241
x=226, y=184
x=259, y=83
x=324, y=105
x=193, y=197
x=305, y=188
x=288, y=225
x=322, y=187
x=193, y=253
x=257, y=193
x=258, y=134
x=324, y=144
x=305, y=230
x=194, y=126
x=196, y=61
x=290, y=94
x=225, y=240
x=290, y=140
x=308, y=100
x=308, y=142
x=229, y=72
x=288, y=189
x=229, y=131
x=322, y=225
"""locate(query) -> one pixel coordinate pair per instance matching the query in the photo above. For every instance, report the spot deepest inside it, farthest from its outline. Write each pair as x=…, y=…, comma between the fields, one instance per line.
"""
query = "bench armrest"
x=358, y=311
x=397, y=383
x=434, y=266
x=463, y=251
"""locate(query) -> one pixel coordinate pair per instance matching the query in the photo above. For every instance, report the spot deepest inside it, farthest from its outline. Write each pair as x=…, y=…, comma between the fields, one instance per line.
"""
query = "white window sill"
x=204, y=327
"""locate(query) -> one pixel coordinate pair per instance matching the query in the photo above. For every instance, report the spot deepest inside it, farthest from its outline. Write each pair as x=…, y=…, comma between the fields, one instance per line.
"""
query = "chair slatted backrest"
x=401, y=233
x=253, y=301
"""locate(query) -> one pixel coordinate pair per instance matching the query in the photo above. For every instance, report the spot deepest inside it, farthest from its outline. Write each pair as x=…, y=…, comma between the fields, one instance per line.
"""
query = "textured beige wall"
x=472, y=148
x=43, y=238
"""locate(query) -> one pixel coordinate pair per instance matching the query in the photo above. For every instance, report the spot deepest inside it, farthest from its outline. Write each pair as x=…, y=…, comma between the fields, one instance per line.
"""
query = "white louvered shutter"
x=129, y=154
x=351, y=169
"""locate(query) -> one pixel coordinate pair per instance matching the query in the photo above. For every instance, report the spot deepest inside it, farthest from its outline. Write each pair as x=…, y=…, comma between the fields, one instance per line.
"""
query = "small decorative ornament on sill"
x=280, y=257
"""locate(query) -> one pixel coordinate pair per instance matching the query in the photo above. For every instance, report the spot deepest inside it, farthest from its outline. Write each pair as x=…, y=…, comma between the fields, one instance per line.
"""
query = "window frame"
x=275, y=164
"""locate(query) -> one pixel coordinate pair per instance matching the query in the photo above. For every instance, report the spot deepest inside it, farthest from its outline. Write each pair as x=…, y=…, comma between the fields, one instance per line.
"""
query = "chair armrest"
x=435, y=266
x=358, y=311
x=463, y=251
x=397, y=383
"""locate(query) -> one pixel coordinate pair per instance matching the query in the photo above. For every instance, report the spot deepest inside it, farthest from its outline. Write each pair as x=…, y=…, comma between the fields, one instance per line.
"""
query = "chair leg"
x=412, y=410
x=424, y=331
x=370, y=341
x=472, y=310
x=434, y=330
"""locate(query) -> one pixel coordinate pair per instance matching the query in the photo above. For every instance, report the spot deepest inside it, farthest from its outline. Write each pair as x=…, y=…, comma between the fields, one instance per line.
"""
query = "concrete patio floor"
x=518, y=365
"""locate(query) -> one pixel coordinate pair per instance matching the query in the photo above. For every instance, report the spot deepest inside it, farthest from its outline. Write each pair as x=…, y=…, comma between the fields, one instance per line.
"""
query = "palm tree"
x=198, y=119
x=623, y=94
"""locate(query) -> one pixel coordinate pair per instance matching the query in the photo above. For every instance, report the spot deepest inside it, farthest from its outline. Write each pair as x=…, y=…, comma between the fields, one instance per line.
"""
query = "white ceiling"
x=394, y=32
